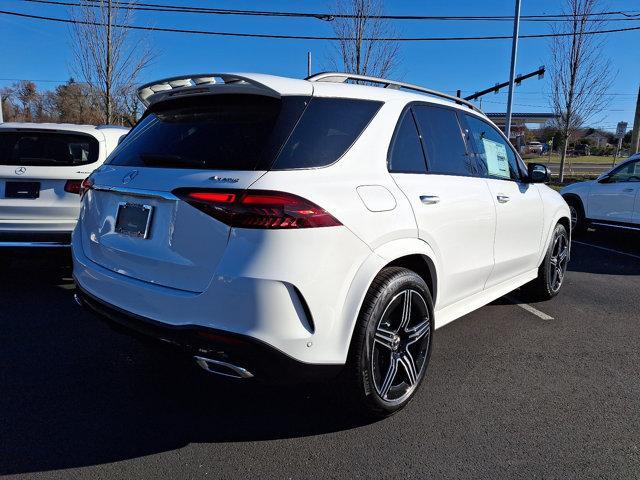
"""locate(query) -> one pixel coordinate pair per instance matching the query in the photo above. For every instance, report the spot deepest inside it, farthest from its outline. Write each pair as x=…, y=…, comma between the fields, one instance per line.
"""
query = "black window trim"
x=522, y=172
x=406, y=111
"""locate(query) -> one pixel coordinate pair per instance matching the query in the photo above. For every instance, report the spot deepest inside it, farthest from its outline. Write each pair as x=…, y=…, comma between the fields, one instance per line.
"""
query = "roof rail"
x=338, y=77
x=149, y=90
x=106, y=126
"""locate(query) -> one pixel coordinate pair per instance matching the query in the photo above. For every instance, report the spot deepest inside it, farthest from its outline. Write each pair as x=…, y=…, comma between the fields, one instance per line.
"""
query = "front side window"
x=495, y=155
x=626, y=173
x=443, y=141
x=47, y=149
x=406, y=154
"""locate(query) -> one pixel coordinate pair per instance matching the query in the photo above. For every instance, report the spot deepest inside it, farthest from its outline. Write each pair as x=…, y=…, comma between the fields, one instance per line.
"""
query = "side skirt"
x=467, y=305
x=623, y=225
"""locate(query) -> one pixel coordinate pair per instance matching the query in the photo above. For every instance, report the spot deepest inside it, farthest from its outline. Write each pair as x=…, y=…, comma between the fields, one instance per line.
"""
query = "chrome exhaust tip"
x=222, y=368
x=78, y=299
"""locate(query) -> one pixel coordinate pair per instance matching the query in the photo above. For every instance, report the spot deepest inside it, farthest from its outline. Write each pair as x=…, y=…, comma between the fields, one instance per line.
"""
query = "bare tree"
x=106, y=57
x=361, y=48
x=27, y=94
x=581, y=76
x=75, y=102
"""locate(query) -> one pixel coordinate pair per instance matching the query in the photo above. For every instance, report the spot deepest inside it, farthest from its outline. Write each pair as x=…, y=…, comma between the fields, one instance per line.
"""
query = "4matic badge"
x=216, y=178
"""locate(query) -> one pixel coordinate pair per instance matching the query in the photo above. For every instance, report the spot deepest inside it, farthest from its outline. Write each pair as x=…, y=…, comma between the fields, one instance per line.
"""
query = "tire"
x=578, y=222
x=552, y=271
x=390, y=349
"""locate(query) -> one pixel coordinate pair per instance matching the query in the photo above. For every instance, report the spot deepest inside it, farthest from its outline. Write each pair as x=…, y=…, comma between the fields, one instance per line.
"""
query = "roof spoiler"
x=152, y=92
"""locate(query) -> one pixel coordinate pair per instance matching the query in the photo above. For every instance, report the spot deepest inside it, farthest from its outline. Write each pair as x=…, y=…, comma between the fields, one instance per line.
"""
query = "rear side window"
x=495, y=155
x=406, y=152
x=218, y=132
x=443, y=141
x=47, y=149
x=328, y=127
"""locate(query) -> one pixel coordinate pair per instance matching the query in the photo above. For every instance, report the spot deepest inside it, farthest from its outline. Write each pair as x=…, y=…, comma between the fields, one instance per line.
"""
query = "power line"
x=154, y=7
x=306, y=37
x=31, y=80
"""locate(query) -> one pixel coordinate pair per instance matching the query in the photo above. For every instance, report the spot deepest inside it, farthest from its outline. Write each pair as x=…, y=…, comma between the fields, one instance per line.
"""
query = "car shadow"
x=75, y=393
x=606, y=252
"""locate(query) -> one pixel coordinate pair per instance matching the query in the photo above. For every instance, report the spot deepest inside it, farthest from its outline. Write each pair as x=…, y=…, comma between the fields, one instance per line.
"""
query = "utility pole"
x=635, y=136
x=308, y=64
x=108, y=72
x=512, y=73
x=1, y=103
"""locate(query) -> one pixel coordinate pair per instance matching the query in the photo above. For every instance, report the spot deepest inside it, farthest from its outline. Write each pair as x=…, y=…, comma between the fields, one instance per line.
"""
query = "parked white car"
x=534, y=147
x=277, y=228
x=42, y=166
x=611, y=200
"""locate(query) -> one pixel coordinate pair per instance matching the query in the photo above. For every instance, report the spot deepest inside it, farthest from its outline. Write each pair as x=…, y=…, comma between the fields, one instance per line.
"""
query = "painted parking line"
x=608, y=249
x=529, y=308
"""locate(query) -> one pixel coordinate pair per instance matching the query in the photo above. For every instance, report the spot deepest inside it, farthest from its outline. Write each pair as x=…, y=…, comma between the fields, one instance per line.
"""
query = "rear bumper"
x=39, y=233
x=37, y=239
x=266, y=287
x=264, y=362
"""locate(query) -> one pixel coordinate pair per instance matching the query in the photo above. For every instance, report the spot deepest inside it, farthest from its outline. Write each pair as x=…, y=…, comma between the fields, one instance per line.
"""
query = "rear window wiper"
x=159, y=159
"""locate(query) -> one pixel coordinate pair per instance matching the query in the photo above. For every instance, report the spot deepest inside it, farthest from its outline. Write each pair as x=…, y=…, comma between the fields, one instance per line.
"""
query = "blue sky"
x=32, y=49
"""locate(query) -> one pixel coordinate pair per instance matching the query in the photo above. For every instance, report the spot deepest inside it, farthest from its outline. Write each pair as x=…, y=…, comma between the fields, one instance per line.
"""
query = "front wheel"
x=392, y=341
x=553, y=268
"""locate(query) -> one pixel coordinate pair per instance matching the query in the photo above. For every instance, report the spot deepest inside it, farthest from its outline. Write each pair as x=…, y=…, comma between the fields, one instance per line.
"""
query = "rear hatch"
x=35, y=166
x=134, y=225
x=134, y=229
x=212, y=147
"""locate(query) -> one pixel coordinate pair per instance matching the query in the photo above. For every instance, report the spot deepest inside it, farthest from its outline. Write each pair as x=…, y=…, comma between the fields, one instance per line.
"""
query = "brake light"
x=78, y=186
x=258, y=209
x=87, y=184
x=73, y=186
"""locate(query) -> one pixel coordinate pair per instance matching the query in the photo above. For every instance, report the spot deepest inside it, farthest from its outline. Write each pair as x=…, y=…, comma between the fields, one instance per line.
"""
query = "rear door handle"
x=429, y=199
x=503, y=198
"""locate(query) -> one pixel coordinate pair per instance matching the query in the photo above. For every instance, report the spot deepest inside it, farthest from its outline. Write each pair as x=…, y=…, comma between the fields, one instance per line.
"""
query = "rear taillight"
x=78, y=186
x=258, y=208
x=86, y=184
x=73, y=186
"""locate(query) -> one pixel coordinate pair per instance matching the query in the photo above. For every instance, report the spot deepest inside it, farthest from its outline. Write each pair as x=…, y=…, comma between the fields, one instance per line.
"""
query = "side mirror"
x=604, y=178
x=538, y=173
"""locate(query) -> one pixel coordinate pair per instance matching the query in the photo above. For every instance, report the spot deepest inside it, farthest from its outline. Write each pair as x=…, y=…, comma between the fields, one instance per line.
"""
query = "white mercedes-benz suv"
x=612, y=200
x=42, y=166
x=275, y=228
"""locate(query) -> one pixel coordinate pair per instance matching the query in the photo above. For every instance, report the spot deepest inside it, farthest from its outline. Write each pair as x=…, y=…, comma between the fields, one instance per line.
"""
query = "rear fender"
x=382, y=256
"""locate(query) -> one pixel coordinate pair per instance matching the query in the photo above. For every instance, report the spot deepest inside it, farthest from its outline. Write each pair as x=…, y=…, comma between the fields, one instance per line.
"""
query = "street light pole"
x=512, y=73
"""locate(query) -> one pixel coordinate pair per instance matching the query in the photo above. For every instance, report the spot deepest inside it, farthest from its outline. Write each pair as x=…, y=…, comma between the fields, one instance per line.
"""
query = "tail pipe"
x=222, y=368
x=78, y=299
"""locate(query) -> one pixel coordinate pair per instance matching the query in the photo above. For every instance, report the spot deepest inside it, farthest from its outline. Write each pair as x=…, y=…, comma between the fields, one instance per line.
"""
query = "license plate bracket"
x=133, y=219
x=29, y=190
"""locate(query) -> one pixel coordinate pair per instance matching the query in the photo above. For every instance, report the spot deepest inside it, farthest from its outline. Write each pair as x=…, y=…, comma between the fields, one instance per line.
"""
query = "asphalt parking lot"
x=508, y=394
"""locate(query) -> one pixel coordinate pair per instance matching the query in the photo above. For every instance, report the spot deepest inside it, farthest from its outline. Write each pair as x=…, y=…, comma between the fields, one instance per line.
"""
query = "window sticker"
x=497, y=160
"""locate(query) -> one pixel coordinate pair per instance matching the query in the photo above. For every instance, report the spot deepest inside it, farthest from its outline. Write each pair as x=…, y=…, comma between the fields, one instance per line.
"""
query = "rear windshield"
x=47, y=149
x=245, y=132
